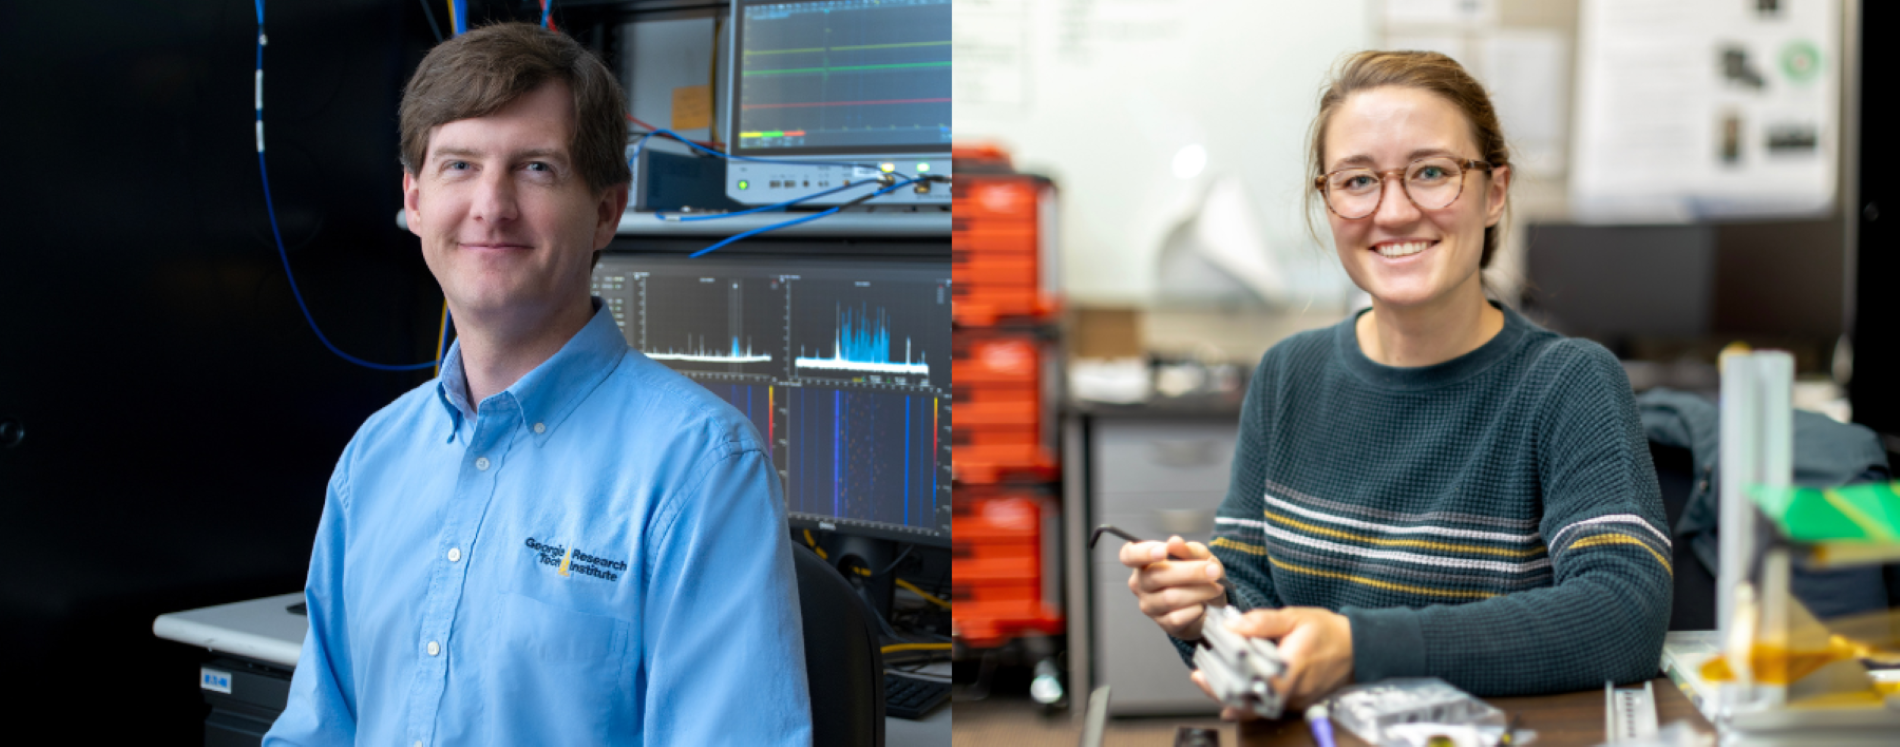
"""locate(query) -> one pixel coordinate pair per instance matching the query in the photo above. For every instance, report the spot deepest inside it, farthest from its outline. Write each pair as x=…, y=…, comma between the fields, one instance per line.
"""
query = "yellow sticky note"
x=692, y=107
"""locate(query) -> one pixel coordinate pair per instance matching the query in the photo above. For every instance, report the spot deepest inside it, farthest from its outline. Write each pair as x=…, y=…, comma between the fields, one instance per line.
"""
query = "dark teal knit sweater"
x=1492, y=520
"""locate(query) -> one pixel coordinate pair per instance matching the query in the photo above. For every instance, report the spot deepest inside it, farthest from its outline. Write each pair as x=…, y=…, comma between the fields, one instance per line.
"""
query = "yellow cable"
x=442, y=337
x=814, y=545
x=452, y=25
x=916, y=647
x=920, y=592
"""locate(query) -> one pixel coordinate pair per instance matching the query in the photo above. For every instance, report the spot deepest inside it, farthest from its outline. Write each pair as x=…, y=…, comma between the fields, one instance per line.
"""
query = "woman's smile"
x=1403, y=248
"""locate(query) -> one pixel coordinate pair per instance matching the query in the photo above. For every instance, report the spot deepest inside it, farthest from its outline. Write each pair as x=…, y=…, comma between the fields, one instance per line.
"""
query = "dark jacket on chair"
x=1827, y=454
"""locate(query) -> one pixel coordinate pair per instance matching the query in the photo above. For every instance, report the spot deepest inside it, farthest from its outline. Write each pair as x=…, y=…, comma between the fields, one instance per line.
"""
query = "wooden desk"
x=1565, y=720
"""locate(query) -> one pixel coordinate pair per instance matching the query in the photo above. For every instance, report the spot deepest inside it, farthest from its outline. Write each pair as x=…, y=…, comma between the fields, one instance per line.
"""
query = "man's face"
x=508, y=225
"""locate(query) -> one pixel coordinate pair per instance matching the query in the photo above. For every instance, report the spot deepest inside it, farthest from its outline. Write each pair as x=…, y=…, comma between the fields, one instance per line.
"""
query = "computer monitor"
x=843, y=367
x=850, y=90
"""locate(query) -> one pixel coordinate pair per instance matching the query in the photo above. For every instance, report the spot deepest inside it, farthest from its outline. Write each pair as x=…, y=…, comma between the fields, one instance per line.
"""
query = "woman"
x=1435, y=487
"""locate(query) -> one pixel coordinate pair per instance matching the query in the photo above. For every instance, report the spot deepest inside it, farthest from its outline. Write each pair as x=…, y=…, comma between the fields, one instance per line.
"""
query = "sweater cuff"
x=1387, y=642
x=1185, y=649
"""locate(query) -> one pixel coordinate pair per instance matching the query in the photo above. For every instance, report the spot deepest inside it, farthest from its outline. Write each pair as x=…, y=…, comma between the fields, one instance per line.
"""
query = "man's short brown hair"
x=481, y=71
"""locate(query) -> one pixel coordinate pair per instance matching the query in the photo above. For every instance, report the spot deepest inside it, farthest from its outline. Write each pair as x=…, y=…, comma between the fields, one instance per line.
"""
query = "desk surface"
x=265, y=629
x=1564, y=720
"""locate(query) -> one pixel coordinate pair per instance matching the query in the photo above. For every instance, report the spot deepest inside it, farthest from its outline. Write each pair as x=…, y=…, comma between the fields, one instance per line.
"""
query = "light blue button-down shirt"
x=598, y=555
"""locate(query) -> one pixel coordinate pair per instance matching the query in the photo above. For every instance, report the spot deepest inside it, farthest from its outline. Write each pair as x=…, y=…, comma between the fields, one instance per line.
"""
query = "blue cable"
x=766, y=209
x=793, y=222
x=547, y=8
x=264, y=175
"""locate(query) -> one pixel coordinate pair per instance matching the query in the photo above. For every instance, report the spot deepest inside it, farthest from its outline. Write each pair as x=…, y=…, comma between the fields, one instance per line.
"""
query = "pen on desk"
x=1510, y=732
x=1321, y=724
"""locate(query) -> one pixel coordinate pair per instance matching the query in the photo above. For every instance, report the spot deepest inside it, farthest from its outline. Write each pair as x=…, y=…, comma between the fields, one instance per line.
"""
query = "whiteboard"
x=1105, y=96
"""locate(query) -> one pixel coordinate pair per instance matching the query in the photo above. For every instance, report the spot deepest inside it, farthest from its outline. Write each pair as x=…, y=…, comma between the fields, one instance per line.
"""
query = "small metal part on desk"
x=1628, y=714
x=1194, y=736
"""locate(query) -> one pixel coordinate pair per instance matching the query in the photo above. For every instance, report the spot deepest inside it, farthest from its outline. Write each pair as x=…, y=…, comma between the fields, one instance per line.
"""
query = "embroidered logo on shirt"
x=569, y=560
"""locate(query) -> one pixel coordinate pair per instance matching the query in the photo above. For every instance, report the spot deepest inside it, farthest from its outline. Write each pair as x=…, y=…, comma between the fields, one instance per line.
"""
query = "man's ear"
x=613, y=202
x=411, y=202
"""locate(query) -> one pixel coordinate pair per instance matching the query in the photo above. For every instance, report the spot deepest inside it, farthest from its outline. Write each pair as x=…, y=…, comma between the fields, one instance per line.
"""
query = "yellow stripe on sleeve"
x=1623, y=539
x=1241, y=546
x=1388, y=585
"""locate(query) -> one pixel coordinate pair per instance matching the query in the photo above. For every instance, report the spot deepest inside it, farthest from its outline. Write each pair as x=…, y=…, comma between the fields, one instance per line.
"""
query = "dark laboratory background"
x=168, y=420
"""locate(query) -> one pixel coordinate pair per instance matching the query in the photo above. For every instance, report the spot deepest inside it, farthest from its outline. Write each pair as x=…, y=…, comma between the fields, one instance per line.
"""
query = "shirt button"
x=481, y=463
x=540, y=427
x=418, y=743
x=434, y=648
x=455, y=554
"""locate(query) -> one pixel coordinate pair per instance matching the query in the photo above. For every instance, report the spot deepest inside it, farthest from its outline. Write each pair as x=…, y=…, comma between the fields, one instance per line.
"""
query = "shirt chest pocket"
x=542, y=633
x=545, y=664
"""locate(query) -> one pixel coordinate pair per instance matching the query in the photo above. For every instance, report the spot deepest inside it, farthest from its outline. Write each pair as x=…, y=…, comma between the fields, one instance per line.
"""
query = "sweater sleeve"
x=1239, y=539
x=1604, y=615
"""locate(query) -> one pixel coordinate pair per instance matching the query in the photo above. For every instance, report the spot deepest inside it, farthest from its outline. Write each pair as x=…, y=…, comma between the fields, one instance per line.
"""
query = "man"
x=557, y=541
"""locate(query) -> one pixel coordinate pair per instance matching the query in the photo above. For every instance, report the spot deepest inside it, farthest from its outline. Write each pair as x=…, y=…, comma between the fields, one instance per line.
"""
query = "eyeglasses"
x=1431, y=183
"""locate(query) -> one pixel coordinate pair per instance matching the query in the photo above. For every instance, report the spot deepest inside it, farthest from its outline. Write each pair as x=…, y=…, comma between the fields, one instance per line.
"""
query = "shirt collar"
x=550, y=392
x=451, y=387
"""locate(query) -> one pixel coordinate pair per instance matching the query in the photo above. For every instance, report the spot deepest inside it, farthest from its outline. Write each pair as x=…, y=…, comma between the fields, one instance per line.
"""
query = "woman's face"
x=1405, y=256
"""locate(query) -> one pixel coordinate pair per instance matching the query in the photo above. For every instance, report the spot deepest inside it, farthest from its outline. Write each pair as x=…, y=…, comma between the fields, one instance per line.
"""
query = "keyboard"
x=913, y=697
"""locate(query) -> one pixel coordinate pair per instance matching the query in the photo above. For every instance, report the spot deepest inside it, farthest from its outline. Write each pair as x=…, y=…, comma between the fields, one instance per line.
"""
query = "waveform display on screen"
x=864, y=344
x=701, y=354
x=845, y=73
x=870, y=330
x=712, y=324
x=865, y=455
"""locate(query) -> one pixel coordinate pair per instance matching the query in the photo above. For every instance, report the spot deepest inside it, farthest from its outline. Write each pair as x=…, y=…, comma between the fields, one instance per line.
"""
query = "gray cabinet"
x=1154, y=478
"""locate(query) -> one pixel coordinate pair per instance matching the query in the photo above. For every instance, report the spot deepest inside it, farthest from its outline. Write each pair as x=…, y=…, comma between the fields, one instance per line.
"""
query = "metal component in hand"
x=1237, y=668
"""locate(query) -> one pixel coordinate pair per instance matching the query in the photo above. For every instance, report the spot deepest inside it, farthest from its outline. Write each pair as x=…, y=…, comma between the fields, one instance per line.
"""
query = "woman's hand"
x=1317, y=647
x=1316, y=644
x=1174, y=592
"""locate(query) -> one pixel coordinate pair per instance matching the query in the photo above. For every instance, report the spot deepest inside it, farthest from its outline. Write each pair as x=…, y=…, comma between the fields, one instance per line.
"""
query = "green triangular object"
x=1868, y=512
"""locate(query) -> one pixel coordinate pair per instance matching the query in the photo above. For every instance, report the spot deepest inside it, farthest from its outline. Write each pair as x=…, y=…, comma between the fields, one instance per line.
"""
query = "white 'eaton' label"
x=212, y=679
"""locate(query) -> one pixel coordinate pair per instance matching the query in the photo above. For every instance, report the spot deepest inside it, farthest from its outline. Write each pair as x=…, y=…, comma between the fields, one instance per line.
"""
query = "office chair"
x=1693, y=606
x=844, y=668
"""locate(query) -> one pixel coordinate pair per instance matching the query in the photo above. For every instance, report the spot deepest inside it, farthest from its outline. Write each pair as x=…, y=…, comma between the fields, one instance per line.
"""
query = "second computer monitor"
x=839, y=93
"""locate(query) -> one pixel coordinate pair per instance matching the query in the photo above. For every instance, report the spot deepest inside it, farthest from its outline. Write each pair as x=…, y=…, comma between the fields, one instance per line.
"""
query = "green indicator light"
x=923, y=166
x=744, y=185
x=775, y=133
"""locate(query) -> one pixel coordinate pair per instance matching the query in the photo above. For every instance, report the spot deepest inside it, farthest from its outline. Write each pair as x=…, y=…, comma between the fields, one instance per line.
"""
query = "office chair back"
x=1693, y=606
x=844, y=668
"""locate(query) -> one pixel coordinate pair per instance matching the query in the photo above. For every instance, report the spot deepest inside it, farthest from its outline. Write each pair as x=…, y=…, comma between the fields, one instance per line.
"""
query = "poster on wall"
x=1706, y=109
